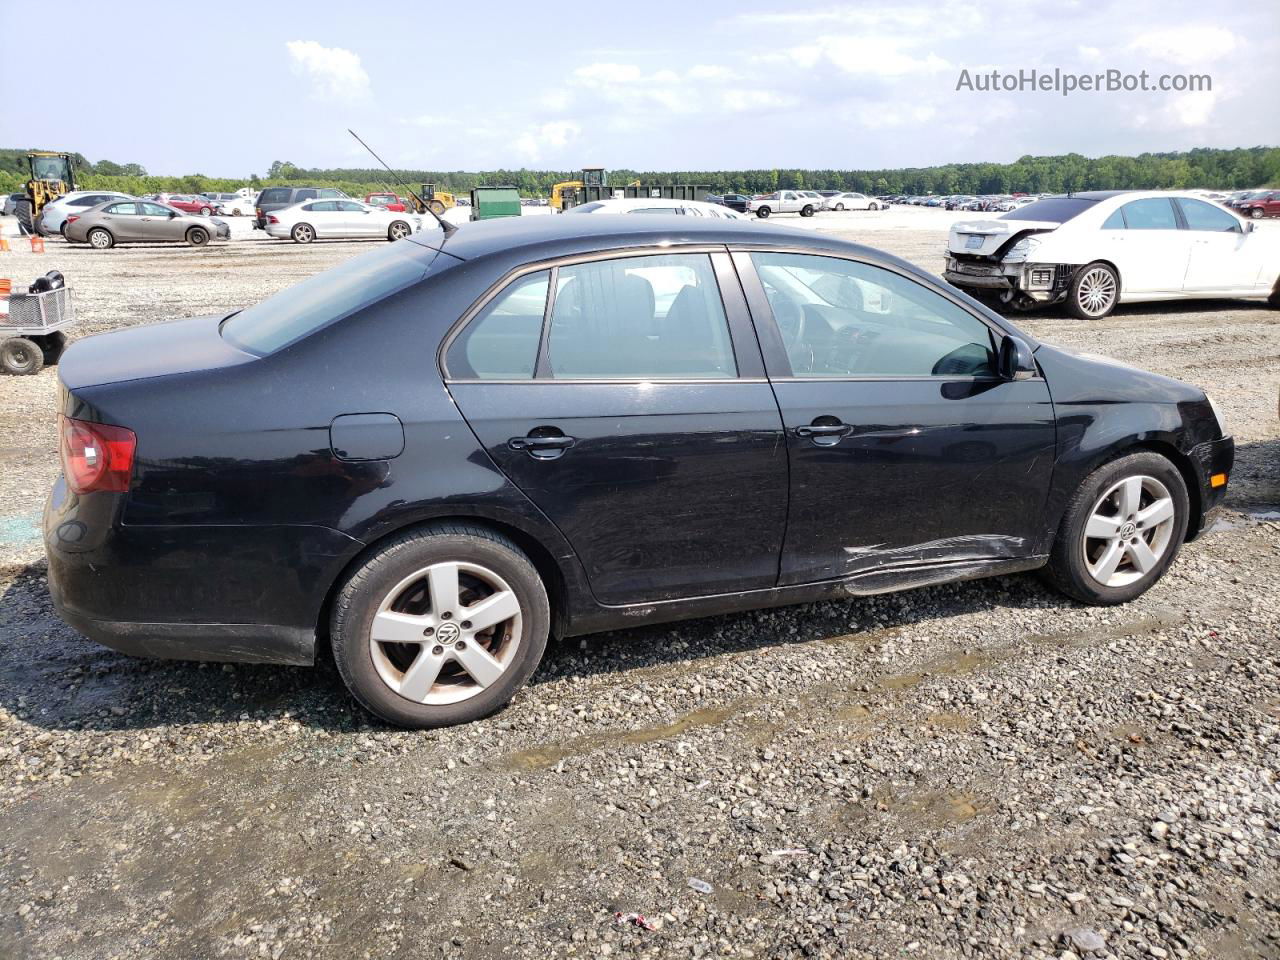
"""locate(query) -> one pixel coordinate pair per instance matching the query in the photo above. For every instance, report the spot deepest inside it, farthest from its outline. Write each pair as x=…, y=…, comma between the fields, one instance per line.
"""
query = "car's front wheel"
x=1094, y=292
x=763, y=212
x=303, y=233
x=840, y=207
x=1121, y=530
x=441, y=626
x=197, y=236
x=100, y=239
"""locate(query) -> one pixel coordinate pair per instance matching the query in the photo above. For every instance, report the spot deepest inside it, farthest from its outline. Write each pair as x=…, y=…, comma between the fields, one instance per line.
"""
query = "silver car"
x=143, y=221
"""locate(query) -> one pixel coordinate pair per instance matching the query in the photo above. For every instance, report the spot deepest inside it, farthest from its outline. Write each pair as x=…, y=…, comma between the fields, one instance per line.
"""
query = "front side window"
x=1154, y=213
x=1205, y=216
x=349, y=206
x=501, y=342
x=639, y=317
x=839, y=318
x=155, y=210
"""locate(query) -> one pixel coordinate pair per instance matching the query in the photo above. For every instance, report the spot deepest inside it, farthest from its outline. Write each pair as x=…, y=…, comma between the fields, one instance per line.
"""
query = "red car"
x=388, y=201
x=188, y=203
x=1263, y=205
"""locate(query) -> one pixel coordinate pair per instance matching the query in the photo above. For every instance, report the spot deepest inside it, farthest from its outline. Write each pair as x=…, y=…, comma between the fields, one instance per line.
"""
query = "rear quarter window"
x=1051, y=209
x=274, y=195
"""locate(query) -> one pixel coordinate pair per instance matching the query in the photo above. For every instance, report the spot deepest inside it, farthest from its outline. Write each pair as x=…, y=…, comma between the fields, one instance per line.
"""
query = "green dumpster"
x=490, y=202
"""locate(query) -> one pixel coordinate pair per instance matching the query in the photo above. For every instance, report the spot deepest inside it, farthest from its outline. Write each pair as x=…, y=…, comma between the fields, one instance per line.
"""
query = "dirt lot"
x=973, y=770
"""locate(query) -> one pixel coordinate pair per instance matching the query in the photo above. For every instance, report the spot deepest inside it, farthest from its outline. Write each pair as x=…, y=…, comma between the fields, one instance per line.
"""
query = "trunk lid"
x=986, y=238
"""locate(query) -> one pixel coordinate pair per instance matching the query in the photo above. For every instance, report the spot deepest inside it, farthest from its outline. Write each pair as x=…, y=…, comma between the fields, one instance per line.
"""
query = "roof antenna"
x=449, y=228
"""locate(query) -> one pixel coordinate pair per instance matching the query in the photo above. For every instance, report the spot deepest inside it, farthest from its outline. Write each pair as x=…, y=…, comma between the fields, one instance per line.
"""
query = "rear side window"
x=305, y=195
x=122, y=209
x=1115, y=221
x=501, y=342
x=843, y=319
x=274, y=195
x=1154, y=213
x=1051, y=209
x=639, y=317
x=327, y=297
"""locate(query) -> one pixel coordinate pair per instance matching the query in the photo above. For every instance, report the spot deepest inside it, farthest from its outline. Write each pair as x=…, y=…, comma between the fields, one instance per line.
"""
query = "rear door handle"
x=543, y=447
x=824, y=432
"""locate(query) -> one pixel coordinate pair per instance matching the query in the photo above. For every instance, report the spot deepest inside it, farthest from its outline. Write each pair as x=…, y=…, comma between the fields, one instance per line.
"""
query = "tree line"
x=1233, y=169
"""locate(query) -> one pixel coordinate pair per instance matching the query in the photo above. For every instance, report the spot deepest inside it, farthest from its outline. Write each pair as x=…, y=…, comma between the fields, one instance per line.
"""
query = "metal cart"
x=32, y=336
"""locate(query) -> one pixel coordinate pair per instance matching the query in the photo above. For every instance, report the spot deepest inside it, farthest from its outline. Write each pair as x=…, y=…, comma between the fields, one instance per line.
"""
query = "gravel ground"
x=974, y=770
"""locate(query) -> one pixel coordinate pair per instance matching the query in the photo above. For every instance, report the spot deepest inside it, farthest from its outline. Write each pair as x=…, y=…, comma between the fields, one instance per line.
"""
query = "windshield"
x=50, y=168
x=318, y=301
x=1051, y=209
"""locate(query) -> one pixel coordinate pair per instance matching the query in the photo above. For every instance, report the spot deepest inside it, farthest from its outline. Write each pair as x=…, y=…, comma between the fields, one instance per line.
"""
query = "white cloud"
x=336, y=74
x=1089, y=54
x=702, y=87
x=866, y=18
x=738, y=101
x=1187, y=46
x=555, y=134
x=861, y=55
x=608, y=73
x=1192, y=109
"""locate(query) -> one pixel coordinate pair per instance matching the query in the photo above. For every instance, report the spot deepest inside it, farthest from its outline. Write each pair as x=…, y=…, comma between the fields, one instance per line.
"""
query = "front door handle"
x=824, y=431
x=542, y=445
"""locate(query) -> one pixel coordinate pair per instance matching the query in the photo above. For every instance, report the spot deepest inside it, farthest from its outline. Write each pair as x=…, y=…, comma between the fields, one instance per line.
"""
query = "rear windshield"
x=327, y=297
x=274, y=195
x=1051, y=209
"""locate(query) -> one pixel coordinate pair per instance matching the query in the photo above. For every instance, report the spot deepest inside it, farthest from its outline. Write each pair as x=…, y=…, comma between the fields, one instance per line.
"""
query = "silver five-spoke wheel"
x=1128, y=531
x=445, y=633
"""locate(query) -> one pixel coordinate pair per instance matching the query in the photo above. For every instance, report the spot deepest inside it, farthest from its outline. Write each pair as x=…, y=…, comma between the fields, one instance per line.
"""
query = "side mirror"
x=172, y=214
x=1250, y=226
x=1016, y=361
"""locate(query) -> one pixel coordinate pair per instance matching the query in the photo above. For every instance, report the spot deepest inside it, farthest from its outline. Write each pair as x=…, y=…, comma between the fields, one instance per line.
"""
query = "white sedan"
x=689, y=208
x=853, y=201
x=339, y=220
x=1094, y=250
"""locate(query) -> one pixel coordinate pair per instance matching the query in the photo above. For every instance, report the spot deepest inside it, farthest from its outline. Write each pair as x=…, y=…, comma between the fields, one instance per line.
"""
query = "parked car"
x=235, y=205
x=277, y=198
x=192, y=203
x=142, y=221
x=1097, y=249
x=10, y=206
x=53, y=217
x=734, y=201
x=1265, y=204
x=437, y=520
x=852, y=201
x=691, y=208
x=783, y=201
x=339, y=220
x=387, y=201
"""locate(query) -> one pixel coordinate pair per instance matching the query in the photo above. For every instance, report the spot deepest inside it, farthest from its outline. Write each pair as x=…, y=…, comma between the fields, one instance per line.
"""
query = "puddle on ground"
x=540, y=758
x=1246, y=519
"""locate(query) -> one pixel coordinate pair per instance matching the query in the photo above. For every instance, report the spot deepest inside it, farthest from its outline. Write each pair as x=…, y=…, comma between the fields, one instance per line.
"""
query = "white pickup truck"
x=785, y=201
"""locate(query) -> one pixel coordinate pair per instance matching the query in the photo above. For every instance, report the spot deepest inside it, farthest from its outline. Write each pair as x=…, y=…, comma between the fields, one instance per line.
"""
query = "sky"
x=730, y=84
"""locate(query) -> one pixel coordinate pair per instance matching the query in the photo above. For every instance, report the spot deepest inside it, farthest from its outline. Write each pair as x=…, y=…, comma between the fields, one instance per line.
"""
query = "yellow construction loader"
x=52, y=175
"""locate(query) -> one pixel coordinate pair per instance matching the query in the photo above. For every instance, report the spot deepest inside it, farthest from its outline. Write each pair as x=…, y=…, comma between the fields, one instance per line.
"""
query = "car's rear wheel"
x=197, y=236
x=441, y=626
x=398, y=230
x=806, y=210
x=1094, y=292
x=20, y=357
x=303, y=233
x=101, y=239
x=763, y=212
x=1121, y=530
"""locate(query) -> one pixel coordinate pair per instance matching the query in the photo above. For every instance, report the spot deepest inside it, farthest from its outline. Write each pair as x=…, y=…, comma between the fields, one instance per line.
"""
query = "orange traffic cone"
x=37, y=244
x=4, y=244
x=6, y=288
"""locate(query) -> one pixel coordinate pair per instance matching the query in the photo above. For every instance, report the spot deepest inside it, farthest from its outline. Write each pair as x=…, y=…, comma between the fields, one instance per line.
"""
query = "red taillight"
x=73, y=218
x=96, y=457
x=273, y=219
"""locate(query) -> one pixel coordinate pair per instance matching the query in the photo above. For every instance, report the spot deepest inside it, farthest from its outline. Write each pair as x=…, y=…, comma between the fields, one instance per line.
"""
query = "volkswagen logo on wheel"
x=447, y=632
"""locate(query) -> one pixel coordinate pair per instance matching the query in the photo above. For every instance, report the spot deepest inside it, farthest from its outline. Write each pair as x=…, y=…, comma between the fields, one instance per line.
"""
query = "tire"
x=63, y=230
x=397, y=577
x=302, y=233
x=840, y=207
x=763, y=212
x=1094, y=291
x=398, y=230
x=20, y=357
x=1256, y=213
x=1076, y=560
x=100, y=238
x=206, y=212
x=26, y=221
x=436, y=207
x=52, y=346
x=197, y=236
x=806, y=210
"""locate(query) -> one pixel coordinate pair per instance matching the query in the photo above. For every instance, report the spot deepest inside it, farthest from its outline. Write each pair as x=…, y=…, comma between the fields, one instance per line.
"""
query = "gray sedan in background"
x=143, y=221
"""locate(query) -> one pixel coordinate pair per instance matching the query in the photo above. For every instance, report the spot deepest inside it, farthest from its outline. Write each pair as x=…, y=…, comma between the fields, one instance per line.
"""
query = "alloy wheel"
x=399, y=230
x=1097, y=291
x=1128, y=531
x=445, y=633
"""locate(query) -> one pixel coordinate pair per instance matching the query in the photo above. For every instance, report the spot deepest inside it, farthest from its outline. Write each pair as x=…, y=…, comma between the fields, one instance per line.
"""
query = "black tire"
x=806, y=210
x=26, y=218
x=302, y=233
x=206, y=211
x=63, y=230
x=436, y=207
x=20, y=357
x=1256, y=213
x=1079, y=295
x=1067, y=570
x=763, y=212
x=197, y=236
x=359, y=598
x=100, y=238
x=840, y=207
x=52, y=346
x=398, y=230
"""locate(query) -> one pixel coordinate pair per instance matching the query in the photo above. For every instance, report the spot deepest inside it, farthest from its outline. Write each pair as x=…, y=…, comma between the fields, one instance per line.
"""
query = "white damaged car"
x=1094, y=250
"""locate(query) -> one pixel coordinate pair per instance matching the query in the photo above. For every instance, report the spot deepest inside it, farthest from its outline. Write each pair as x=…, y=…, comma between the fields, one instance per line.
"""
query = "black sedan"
x=443, y=452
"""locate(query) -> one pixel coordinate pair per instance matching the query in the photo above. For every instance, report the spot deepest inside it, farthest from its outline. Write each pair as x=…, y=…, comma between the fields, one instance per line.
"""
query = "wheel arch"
x=1120, y=292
